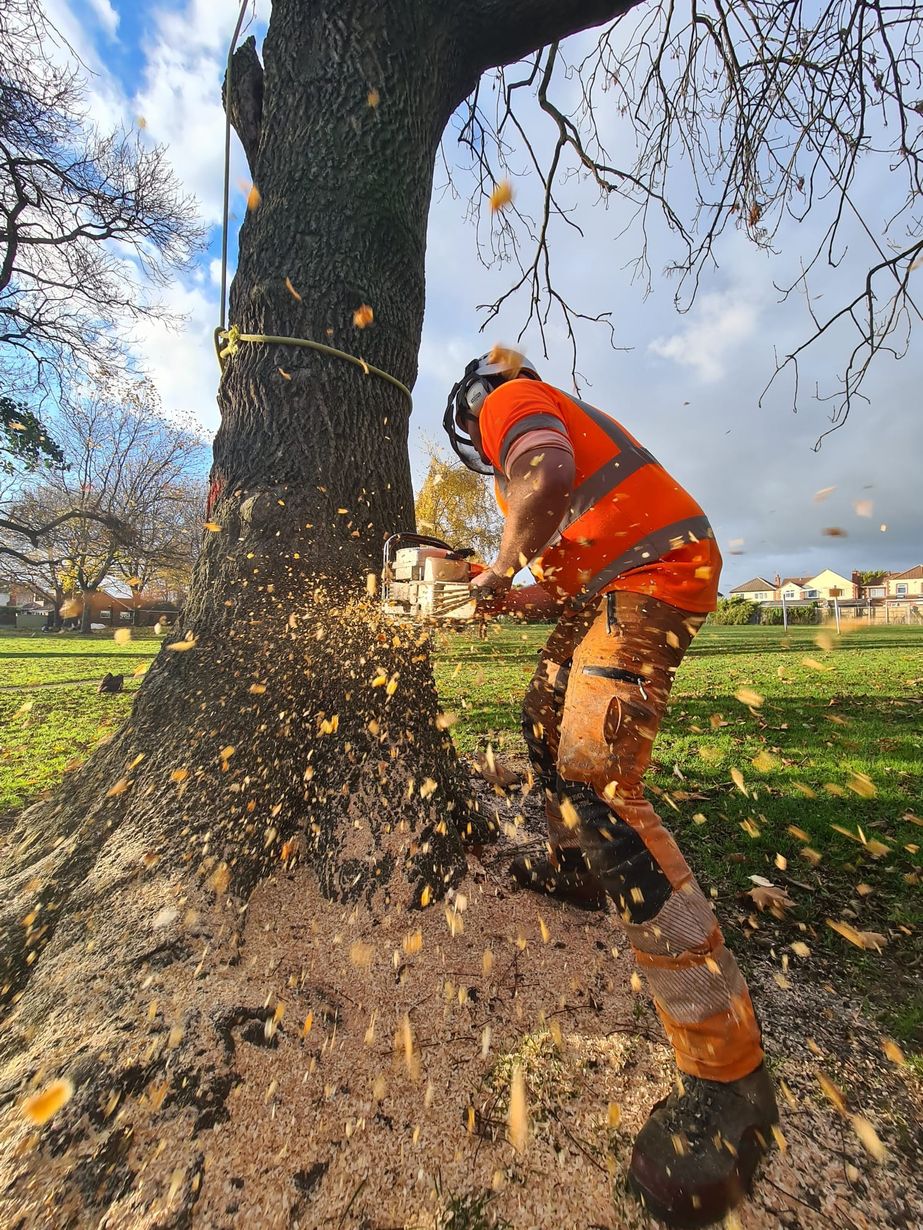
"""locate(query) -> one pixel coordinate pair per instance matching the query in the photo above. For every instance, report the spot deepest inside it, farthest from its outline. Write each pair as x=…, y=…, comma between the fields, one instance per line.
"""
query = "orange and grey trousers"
x=590, y=717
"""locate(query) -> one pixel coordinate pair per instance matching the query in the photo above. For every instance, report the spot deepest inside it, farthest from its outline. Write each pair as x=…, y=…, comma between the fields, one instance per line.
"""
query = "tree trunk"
x=86, y=615
x=287, y=721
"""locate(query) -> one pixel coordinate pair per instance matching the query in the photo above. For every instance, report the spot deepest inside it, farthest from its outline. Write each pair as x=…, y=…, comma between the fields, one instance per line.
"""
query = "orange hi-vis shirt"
x=630, y=525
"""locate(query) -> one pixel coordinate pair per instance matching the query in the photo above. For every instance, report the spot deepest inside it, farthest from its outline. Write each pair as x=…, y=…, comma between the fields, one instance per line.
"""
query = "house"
x=795, y=589
x=143, y=611
x=828, y=585
x=874, y=589
x=906, y=585
x=757, y=589
x=17, y=593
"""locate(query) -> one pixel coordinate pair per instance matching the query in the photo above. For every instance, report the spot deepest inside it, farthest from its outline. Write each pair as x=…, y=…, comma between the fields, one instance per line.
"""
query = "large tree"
x=288, y=721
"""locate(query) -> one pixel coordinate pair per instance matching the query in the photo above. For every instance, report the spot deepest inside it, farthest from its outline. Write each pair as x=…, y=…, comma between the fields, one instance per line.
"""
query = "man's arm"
x=538, y=496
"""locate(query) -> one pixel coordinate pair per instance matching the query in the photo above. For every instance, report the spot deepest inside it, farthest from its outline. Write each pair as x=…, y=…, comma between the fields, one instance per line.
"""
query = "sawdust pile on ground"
x=362, y=1078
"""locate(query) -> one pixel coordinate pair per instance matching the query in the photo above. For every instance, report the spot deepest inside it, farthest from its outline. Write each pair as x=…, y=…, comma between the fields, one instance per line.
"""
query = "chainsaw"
x=427, y=580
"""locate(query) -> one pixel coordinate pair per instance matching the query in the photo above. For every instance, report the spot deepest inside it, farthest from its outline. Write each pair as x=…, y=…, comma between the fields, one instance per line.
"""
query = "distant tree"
x=165, y=540
x=871, y=576
x=124, y=504
x=734, y=611
x=85, y=218
x=457, y=505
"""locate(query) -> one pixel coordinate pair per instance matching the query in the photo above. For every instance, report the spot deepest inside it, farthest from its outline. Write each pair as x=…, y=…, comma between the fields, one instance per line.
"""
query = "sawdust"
x=351, y=1073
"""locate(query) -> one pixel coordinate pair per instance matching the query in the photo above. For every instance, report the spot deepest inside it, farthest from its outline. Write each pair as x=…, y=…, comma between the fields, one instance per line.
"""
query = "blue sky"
x=687, y=385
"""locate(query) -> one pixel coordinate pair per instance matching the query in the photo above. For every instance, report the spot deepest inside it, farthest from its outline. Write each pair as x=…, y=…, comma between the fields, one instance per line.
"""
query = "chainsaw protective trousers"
x=590, y=717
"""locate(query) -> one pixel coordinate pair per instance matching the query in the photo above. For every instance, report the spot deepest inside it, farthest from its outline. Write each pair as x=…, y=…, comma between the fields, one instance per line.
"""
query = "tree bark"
x=246, y=101
x=288, y=721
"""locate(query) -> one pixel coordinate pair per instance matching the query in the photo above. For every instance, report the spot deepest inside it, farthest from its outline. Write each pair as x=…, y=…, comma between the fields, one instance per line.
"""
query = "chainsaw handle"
x=393, y=544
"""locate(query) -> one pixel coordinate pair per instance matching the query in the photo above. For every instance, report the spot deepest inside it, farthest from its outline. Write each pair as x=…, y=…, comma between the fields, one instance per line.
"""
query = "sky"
x=688, y=385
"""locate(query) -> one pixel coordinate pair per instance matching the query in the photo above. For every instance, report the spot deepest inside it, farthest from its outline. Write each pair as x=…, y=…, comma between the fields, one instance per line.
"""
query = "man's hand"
x=490, y=588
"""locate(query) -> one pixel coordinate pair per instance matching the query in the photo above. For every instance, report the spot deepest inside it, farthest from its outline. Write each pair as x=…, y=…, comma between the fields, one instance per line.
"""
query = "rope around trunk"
x=233, y=337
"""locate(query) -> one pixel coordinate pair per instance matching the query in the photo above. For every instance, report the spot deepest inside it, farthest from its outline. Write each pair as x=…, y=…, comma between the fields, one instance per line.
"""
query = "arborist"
x=627, y=563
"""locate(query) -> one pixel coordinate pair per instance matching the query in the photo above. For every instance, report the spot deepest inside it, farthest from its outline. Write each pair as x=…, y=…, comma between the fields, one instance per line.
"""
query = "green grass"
x=37, y=658
x=855, y=709
x=45, y=727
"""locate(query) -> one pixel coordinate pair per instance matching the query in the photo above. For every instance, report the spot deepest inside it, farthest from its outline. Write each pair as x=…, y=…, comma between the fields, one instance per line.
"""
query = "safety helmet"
x=468, y=395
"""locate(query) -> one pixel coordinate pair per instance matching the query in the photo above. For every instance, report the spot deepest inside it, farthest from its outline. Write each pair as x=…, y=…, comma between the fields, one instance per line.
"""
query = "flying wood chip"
x=747, y=696
x=862, y=784
x=221, y=878
x=361, y=954
x=363, y=316
x=869, y=940
x=893, y=1052
x=869, y=1137
x=832, y=1092
x=42, y=1106
x=518, y=1119
x=501, y=196
x=291, y=290
x=510, y=360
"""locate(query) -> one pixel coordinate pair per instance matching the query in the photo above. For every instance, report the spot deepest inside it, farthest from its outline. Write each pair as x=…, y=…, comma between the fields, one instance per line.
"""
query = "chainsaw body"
x=428, y=580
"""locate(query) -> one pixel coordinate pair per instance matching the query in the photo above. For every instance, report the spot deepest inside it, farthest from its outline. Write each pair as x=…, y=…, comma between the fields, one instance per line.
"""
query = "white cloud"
x=718, y=324
x=181, y=359
x=106, y=15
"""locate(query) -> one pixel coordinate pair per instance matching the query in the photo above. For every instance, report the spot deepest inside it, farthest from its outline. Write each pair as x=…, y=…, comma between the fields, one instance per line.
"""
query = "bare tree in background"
x=124, y=504
x=705, y=116
x=88, y=221
x=166, y=536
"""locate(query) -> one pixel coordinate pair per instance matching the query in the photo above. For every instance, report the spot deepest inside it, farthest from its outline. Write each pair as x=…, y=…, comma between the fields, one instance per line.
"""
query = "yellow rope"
x=232, y=338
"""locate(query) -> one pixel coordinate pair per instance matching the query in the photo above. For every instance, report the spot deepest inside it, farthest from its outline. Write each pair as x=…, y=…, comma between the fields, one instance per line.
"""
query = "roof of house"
x=753, y=583
x=912, y=574
x=801, y=581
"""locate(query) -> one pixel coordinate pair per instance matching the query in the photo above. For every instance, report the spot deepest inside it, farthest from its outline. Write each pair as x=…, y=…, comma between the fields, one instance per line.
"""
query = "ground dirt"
x=378, y=1098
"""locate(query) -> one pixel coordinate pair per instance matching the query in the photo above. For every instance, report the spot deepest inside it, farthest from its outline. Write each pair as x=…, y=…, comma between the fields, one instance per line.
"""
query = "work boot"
x=569, y=881
x=695, y=1157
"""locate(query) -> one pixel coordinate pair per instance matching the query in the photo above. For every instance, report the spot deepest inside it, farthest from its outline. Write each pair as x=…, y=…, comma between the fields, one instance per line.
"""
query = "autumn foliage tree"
x=458, y=506
x=288, y=721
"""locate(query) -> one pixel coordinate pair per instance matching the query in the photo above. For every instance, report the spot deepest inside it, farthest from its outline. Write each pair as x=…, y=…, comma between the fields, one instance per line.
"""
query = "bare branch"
x=745, y=116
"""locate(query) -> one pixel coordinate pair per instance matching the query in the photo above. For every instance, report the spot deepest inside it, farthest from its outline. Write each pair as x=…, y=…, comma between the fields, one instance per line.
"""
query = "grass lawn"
x=819, y=788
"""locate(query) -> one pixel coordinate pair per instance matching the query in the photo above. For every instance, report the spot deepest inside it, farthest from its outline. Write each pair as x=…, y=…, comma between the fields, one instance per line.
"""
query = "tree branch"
x=246, y=99
x=34, y=533
x=507, y=30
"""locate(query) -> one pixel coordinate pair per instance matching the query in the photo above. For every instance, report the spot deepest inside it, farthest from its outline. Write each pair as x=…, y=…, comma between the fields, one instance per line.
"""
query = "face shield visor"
x=464, y=402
